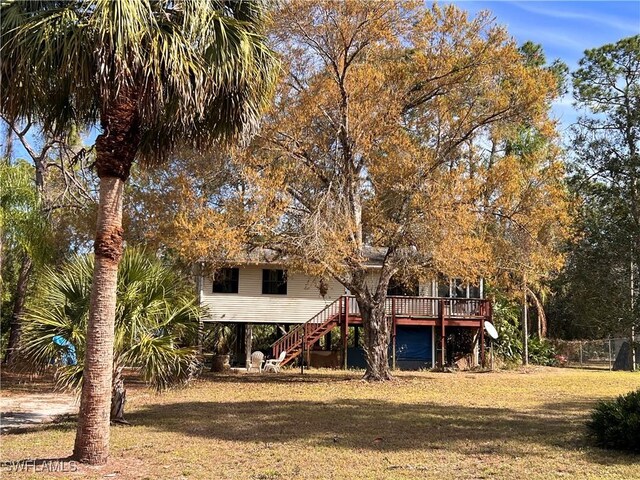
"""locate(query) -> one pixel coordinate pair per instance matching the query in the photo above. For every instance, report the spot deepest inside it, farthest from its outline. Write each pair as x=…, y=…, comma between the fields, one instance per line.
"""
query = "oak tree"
x=391, y=130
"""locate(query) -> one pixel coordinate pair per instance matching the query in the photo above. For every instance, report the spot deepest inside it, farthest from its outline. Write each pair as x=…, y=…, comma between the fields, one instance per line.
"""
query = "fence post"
x=610, y=358
x=581, y=353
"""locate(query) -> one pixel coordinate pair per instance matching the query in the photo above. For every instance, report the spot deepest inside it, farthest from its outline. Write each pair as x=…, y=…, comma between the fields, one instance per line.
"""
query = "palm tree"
x=155, y=74
x=156, y=321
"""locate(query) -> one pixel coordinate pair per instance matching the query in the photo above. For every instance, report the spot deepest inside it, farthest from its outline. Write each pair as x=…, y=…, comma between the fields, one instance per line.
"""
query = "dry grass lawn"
x=508, y=425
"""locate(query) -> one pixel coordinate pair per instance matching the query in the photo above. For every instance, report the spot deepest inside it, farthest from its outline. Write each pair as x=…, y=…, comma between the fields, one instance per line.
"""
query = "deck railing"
x=400, y=307
x=428, y=307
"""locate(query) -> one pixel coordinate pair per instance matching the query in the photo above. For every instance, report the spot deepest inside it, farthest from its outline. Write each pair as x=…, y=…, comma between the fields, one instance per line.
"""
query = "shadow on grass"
x=62, y=424
x=288, y=378
x=381, y=425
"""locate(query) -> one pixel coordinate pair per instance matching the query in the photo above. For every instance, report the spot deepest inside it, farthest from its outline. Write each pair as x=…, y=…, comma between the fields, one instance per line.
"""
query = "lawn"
x=331, y=425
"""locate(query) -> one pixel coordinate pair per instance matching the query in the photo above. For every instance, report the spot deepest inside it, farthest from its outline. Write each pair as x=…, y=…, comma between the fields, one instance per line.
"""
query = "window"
x=459, y=288
x=225, y=280
x=274, y=282
x=444, y=289
x=401, y=289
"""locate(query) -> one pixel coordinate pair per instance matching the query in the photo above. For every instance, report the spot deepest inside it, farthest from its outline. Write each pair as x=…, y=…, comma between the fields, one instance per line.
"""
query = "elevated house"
x=435, y=322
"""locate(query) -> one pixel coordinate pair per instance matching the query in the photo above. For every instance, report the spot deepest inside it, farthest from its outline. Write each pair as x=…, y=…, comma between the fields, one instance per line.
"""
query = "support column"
x=443, y=339
x=200, y=336
x=345, y=333
x=482, y=362
x=248, y=343
x=238, y=349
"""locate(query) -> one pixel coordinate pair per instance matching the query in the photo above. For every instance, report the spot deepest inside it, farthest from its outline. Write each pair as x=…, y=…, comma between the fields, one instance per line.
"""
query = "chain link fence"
x=606, y=354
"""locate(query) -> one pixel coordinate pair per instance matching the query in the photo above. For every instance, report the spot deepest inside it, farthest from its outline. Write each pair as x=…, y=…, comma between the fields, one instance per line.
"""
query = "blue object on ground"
x=69, y=357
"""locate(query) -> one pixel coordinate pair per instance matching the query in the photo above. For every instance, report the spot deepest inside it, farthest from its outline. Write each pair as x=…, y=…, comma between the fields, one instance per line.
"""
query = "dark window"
x=474, y=291
x=459, y=288
x=274, y=282
x=225, y=280
x=400, y=289
x=443, y=287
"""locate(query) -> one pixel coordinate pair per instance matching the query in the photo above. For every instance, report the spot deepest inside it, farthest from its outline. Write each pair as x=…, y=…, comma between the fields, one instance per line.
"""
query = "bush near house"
x=615, y=424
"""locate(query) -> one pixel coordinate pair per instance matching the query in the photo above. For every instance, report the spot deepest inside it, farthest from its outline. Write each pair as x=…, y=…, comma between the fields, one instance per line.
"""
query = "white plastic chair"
x=256, y=362
x=273, y=365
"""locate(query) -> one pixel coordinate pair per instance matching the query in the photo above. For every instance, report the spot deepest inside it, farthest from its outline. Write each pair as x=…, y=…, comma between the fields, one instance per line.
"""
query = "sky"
x=565, y=30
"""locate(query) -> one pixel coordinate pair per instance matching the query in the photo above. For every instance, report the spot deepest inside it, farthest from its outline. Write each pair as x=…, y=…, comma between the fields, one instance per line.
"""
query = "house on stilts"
x=435, y=323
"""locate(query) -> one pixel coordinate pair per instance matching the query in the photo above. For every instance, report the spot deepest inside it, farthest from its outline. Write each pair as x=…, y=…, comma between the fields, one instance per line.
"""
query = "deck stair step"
x=308, y=333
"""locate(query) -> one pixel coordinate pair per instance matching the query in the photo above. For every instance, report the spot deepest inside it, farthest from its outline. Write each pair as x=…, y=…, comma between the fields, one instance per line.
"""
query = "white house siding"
x=249, y=305
x=301, y=302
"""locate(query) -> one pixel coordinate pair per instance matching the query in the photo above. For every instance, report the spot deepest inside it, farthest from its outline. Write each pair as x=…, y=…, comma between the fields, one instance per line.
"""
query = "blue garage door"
x=414, y=349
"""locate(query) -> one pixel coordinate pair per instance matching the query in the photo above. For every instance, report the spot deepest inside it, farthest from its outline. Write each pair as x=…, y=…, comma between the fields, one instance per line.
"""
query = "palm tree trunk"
x=118, y=398
x=92, y=438
x=115, y=151
x=18, y=306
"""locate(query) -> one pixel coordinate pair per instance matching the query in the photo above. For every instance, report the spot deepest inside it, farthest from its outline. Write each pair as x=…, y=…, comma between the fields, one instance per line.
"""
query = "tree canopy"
x=418, y=131
x=599, y=288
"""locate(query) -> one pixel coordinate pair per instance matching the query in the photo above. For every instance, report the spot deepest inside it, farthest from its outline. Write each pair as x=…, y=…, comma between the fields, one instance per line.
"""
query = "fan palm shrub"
x=156, y=324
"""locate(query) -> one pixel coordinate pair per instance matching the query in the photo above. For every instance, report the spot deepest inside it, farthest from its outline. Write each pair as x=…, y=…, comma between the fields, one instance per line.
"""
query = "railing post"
x=345, y=332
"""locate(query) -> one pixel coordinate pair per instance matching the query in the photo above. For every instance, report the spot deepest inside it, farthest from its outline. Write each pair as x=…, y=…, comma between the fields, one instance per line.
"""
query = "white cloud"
x=603, y=19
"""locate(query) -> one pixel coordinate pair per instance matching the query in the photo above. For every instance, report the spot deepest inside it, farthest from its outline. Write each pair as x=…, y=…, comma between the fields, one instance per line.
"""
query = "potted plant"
x=220, y=339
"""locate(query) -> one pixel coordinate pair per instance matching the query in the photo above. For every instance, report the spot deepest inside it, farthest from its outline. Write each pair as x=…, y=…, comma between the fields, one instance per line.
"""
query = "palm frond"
x=199, y=70
x=156, y=320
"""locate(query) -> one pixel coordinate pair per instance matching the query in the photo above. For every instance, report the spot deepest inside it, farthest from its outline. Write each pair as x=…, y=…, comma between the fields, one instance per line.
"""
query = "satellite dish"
x=491, y=330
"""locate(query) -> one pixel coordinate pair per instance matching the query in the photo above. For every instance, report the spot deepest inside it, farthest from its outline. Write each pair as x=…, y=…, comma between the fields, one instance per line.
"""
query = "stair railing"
x=293, y=339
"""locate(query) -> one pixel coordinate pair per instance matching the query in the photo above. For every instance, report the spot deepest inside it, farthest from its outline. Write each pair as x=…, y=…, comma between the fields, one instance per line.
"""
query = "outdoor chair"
x=273, y=365
x=256, y=362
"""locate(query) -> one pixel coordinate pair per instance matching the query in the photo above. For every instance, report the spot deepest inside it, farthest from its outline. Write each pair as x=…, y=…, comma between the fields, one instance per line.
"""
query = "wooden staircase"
x=304, y=336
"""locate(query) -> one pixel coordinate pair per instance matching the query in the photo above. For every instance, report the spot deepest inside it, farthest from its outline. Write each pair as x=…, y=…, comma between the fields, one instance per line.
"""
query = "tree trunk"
x=377, y=334
x=18, y=306
x=118, y=398
x=542, y=317
x=92, y=438
x=525, y=323
x=115, y=151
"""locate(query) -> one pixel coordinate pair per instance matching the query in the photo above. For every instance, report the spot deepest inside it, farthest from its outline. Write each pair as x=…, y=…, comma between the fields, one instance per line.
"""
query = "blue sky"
x=564, y=29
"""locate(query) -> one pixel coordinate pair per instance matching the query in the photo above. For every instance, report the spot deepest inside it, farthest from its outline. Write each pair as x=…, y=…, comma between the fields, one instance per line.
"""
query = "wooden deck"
x=420, y=311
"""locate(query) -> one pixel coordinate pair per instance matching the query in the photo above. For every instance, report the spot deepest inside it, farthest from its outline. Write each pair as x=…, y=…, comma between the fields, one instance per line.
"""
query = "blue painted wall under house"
x=414, y=349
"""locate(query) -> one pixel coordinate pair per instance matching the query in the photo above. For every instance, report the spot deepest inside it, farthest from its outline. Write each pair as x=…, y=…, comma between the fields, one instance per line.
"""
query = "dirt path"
x=34, y=409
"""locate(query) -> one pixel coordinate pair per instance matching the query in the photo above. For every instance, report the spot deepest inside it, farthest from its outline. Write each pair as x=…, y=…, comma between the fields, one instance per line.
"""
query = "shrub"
x=615, y=424
x=542, y=352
